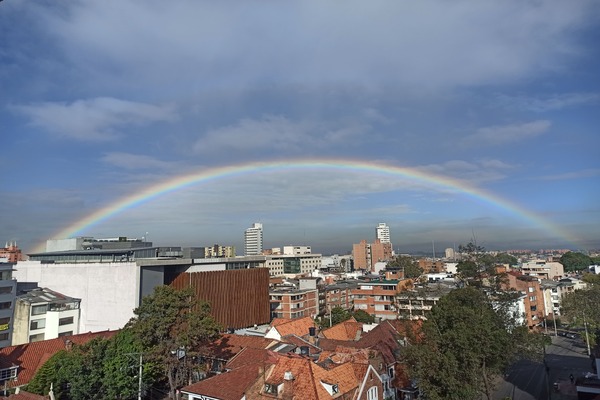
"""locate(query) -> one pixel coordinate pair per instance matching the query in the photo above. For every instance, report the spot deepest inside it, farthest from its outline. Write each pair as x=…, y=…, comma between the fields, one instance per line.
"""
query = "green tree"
x=468, y=340
x=53, y=372
x=467, y=270
x=171, y=324
x=408, y=264
x=121, y=367
x=573, y=261
x=337, y=315
x=363, y=316
x=581, y=307
x=591, y=279
x=505, y=258
x=75, y=374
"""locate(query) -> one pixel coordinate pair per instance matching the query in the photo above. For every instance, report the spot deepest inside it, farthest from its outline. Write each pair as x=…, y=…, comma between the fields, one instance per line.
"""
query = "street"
x=528, y=380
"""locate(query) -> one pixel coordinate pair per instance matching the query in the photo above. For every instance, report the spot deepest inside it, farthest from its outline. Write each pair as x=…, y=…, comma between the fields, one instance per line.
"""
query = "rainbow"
x=212, y=174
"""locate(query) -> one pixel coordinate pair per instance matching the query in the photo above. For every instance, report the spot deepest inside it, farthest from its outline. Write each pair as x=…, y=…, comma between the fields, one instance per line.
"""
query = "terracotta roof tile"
x=227, y=386
x=22, y=395
x=297, y=326
x=228, y=345
x=299, y=342
x=31, y=356
x=347, y=330
x=252, y=356
x=309, y=380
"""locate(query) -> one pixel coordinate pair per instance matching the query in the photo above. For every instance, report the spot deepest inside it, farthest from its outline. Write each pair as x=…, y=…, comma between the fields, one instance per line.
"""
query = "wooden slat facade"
x=238, y=298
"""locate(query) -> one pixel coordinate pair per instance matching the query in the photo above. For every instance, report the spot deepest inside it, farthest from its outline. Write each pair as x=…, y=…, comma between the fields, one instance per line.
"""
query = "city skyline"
x=189, y=122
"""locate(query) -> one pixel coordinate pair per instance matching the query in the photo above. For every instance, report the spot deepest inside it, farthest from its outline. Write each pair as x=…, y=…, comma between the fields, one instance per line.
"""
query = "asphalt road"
x=528, y=380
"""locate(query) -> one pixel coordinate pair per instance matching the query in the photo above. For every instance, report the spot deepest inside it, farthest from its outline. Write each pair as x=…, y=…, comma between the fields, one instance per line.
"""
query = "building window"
x=6, y=289
x=372, y=393
x=533, y=308
x=36, y=338
x=69, y=333
x=37, y=324
x=8, y=373
x=4, y=336
x=5, y=305
x=39, y=310
x=65, y=321
x=532, y=298
x=531, y=289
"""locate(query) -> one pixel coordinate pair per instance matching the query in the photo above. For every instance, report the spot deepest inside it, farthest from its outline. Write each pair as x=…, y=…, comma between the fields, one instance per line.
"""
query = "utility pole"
x=140, y=378
x=140, y=371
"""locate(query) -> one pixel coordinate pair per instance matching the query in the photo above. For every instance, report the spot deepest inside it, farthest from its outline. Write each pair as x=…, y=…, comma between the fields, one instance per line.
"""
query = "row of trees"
x=165, y=332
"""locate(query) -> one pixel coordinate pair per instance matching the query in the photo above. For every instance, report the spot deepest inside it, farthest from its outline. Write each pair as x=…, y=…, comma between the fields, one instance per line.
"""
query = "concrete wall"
x=21, y=323
x=108, y=291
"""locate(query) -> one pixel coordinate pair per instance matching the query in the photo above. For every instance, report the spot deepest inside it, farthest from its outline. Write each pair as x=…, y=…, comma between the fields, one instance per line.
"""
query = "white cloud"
x=97, y=119
x=505, y=134
x=549, y=102
x=279, y=134
x=136, y=161
x=233, y=45
x=473, y=172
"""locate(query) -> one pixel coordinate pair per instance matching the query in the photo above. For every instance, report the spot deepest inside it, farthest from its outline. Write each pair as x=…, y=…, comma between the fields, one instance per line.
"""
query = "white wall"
x=108, y=291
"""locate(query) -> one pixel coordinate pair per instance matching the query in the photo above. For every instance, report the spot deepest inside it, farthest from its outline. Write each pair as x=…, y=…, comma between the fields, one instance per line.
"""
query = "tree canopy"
x=171, y=325
x=466, y=342
x=100, y=369
x=581, y=306
x=408, y=264
x=574, y=261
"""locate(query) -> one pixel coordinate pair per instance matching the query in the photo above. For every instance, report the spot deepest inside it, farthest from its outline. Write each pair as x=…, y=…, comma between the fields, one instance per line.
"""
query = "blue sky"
x=100, y=100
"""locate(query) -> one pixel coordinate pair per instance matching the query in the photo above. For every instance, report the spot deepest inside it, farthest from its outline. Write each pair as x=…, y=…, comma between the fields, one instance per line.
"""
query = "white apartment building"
x=42, y=314
x=253, y=240
x=382, y=232
x=296, y=250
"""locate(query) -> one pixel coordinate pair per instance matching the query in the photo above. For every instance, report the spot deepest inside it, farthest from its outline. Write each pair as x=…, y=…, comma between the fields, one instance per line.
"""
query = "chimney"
x=288, y=385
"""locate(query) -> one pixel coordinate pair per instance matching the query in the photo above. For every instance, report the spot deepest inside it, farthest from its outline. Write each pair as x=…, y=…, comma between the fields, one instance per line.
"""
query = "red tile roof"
x=308, y=380
x=252, y=356
x=228, y=345
x=347, y=330
x=297, y=326
x=299, y=342
x=227, y=386
x=29, y=357
x=22, y=395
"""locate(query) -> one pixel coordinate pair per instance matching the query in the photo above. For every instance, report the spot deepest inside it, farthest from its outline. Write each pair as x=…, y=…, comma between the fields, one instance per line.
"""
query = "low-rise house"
x=18, y=364
x=216, y=355
x=281, y=327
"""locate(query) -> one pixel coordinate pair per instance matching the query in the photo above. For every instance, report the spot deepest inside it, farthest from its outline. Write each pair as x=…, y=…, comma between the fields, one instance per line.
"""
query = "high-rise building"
x=253, y=240
x=382, y=232
x=366, y=255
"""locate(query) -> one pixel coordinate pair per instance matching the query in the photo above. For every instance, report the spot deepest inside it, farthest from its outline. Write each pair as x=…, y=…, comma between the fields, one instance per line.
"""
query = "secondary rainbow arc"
x=211, y=174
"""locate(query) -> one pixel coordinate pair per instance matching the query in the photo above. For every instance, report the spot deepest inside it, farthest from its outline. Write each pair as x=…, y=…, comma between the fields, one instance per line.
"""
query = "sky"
x=101, y=101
